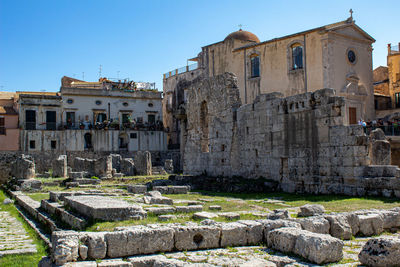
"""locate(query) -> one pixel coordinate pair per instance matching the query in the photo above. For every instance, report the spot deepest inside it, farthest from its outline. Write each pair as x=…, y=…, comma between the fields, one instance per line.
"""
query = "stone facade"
x=299, y=141
x=337, y=56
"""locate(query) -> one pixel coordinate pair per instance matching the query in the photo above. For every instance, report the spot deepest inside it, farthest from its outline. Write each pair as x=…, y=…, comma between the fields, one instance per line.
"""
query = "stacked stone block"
x=299, y=141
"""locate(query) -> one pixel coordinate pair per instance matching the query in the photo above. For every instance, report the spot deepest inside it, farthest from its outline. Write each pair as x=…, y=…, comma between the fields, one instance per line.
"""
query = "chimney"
x=389, y=49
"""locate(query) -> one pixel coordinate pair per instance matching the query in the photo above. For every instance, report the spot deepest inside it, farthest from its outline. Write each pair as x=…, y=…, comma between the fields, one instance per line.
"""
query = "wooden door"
x=352, y=116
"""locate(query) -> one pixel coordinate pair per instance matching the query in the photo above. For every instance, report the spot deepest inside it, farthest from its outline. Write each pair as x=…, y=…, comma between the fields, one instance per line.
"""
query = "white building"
x=94, y=116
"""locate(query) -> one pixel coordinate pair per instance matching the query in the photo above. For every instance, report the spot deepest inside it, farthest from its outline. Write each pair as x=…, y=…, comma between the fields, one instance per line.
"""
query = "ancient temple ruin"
x=299, y=141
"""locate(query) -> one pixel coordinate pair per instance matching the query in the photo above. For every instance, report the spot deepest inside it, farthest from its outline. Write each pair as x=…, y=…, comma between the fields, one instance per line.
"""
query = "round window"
x=351, y=56
x=125, y=104
x=150, y=104
x=70, y=101
x=98, y=102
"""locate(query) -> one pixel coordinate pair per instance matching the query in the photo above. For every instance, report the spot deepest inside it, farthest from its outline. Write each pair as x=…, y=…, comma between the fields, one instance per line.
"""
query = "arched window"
x=297, y=56
x=255, y=65
x=204, y=127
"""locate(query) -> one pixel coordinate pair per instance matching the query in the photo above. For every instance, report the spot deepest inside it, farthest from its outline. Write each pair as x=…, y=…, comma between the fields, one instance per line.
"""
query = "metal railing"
x=394, y=49
x=187, y=68
x=30, y=125
x=51, y=126
x=389, y=130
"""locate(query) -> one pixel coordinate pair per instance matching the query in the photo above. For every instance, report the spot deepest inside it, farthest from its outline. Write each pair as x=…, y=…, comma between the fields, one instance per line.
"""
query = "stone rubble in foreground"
x=247, y=256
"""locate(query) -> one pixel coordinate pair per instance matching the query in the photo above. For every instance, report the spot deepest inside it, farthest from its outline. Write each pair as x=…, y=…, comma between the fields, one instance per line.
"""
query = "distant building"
x=337, y=56
x=93, y=116
x=387, y=86
x=9, y=130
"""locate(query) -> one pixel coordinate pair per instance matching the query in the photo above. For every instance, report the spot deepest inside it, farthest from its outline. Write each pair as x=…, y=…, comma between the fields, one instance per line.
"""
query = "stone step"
x=57, y=210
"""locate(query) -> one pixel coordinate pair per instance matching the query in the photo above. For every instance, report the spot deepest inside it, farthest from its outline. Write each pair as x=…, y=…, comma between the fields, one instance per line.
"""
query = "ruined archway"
x=204, y=127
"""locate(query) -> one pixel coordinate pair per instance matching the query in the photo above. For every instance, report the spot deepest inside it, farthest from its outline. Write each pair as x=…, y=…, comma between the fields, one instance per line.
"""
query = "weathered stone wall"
x=44, y=160
x=298, y=141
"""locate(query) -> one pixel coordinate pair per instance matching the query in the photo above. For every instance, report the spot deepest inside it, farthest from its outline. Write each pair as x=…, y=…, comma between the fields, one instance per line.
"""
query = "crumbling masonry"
x=299, y=142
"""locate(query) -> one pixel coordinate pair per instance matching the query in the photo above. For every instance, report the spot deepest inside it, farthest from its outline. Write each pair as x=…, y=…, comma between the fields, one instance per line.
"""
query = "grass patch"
x=332, y=203
x=22, y=259
x=38, y=196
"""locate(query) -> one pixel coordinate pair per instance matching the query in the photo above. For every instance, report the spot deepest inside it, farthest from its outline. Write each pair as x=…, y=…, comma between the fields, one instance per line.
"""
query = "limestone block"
x=380, y=153
x=103, y=167
x=114, y=263
x=153, y=193
x=161, y=189
x=116, y=162
x=377, y=134
x=391, y=219
x=229, y=215
x=315, y=224
x=142, y=162
x=96, y=243
x=381, y=251
x=146, y=261
x=339, y=226
x=187, y=209
x=160, y=210
x=23, y=168
x=81, y=264
x=29, y=184
x=194, y=237
x=139, y=240
x=158, y=200
x=204, y=215
x=128, y=167
x=269, y=225
x=83, y=251
x=283, y=239
x=65, y=246
x=370, y=224
x=233, y=234
x=178, y=189
x=214, y=207
x=279, y=214
x=60, y=166
x=164, y=218
x=318, y=248
x=137, y=189
x=311, y=210
x=254, y=231
x=169, y=166
x=104, y=208
x=76, y=175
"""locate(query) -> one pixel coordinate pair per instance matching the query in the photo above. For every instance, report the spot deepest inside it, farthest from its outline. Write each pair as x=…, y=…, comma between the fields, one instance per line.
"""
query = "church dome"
x=243, y=35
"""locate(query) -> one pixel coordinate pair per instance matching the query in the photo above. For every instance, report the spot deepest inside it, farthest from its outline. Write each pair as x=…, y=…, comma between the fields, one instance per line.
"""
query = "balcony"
x=187, y=68
x=30, y=125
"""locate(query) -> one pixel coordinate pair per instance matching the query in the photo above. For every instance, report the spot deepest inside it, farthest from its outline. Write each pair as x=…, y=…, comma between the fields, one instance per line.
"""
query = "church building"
x=337, y=56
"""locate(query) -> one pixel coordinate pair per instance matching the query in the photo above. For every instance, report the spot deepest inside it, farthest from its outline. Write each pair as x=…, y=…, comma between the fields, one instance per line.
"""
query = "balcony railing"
x=30, y=125
x=394, y=49
x=181, y=70
x=52, y=126
x=389, y=130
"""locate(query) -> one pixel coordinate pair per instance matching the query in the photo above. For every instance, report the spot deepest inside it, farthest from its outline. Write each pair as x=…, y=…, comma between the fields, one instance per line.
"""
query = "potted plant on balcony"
x=115, y=124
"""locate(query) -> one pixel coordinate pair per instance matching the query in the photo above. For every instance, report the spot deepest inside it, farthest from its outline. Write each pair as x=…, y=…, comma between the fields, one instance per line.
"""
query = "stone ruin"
x=317, y=238
x=23, y=173
x=299, y=142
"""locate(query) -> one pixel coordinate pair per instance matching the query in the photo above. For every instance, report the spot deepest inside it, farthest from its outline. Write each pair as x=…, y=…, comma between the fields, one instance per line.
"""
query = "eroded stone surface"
x=382, y=251
x=104, y=208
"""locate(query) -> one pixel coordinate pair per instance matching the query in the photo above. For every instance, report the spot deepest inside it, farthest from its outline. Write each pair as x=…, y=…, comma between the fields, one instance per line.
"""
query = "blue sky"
x=41, y=41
